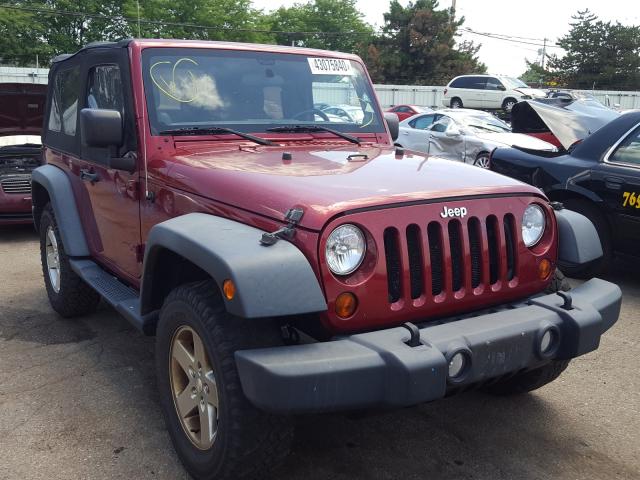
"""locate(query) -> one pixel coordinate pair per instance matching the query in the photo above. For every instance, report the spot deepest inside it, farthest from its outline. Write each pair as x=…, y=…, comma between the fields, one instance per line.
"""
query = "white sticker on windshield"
x=330, y=66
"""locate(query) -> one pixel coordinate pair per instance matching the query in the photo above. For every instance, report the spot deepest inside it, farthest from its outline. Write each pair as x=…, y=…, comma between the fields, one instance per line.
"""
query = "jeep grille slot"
x=475, y=248
x=394, y=270
x=492, y=240
x=510, y=241
x=19, y=184
x=468, y=256
x=455, y=243
x=416, y=260
x=434, y=232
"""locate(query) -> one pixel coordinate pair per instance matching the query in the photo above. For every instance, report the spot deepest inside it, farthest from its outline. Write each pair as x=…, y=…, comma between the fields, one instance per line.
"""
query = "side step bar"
x=124, y=299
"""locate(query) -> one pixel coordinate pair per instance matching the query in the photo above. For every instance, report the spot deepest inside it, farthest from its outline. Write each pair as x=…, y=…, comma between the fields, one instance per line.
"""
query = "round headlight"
x=345, y=249
x=533, y=222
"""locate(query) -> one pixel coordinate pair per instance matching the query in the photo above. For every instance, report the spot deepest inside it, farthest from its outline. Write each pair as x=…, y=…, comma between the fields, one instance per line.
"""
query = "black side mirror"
x=393, y=123
x=101, y=128
x=501, y=87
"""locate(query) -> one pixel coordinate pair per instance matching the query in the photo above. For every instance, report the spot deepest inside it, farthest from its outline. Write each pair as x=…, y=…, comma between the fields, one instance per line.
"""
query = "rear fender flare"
x=58, y=187
x=270, y=281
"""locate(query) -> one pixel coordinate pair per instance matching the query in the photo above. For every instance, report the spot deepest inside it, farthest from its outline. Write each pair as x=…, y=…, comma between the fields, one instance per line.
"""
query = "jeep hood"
x=324, y=181
x=22, y=108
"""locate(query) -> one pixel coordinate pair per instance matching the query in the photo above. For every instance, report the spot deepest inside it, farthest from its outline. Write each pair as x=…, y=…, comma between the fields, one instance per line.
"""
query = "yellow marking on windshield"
x=171, y=89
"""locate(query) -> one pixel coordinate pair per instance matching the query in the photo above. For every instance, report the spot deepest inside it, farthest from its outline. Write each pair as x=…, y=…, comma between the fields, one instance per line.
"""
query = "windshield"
x=255, y=91
x=484, y=123
x=511, y=82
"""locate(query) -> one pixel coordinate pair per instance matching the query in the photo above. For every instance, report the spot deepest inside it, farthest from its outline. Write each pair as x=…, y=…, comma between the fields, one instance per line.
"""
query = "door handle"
x=614, y=183
x=86, y=174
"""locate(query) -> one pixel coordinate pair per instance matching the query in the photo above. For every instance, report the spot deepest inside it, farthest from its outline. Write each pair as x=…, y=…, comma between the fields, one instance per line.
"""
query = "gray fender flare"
x=578, y=239
x=58, y=186
x=270, y=281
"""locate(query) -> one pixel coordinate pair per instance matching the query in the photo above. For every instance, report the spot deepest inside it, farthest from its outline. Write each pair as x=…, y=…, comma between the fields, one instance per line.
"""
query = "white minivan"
x=487, y=92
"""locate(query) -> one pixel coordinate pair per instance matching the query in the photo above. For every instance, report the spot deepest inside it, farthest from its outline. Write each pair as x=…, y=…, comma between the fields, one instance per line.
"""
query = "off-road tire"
x=599, y=266
x=75, y=297
x=249, y=442
x=533, y=379
x=456, y=103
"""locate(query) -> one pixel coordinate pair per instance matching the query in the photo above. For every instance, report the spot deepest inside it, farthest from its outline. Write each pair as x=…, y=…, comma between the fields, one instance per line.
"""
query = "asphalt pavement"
x=78, y=401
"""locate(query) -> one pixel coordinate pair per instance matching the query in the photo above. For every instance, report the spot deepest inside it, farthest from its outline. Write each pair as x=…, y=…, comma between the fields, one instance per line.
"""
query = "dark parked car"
x=599, y=177
x=21, y=107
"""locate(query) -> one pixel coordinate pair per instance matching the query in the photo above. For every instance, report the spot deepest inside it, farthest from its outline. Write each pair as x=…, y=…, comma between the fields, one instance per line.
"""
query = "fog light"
x=544, y=269
x=547, y=342
x=346, y=304
x=457, y=364
x=229, y=289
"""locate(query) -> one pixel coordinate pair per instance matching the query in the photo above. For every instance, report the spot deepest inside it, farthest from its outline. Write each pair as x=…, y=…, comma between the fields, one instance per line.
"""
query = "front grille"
x=20, y=184
x=454, y=254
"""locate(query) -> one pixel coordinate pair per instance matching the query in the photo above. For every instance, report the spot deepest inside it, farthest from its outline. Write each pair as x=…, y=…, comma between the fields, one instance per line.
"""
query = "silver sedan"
x=463, y=135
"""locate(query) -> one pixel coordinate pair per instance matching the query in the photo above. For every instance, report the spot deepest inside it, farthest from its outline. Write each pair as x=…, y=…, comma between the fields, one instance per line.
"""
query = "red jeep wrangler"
x=289, y=261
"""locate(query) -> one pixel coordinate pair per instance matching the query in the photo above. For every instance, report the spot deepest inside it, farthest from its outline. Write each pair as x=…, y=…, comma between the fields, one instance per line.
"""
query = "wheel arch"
x=270, y=281
x=51, y=184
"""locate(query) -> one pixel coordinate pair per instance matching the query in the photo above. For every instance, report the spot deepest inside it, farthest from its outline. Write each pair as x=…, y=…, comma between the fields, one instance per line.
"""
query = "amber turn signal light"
x=346, y=304
x=544, y=269
x=229, y=289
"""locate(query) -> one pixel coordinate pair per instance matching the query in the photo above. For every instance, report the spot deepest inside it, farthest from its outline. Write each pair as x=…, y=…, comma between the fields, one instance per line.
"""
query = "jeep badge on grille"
x=453, y=212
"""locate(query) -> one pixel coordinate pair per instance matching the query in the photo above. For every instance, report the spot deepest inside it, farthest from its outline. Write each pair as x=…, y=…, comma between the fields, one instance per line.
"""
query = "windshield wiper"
x=215, y=131
x=314, y=128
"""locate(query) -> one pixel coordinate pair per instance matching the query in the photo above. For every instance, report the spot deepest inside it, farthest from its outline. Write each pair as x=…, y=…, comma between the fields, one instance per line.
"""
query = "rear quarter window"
x=63, y=115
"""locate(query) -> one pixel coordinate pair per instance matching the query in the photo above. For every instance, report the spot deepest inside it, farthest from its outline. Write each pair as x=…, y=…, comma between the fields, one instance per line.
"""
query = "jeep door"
x=107, y=199
x=617, y=181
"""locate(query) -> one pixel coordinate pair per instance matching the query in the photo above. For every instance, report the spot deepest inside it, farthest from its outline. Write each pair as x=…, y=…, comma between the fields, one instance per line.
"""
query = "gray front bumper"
x=378, y=369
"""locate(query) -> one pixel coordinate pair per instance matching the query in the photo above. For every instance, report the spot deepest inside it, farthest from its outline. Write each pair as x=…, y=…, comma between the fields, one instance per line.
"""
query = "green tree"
x=339, y=24
x=418, y=46
x=599, y=54
x=537, y=75
x=21, y=38
x=232, y=20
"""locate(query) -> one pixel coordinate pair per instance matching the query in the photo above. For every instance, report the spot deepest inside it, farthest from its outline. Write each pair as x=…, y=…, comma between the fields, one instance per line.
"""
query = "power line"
x=508, y=38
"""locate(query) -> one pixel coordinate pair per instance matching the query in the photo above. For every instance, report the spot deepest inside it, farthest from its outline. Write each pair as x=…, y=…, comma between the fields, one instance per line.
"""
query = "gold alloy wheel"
x=194, y=388
x=53, y=259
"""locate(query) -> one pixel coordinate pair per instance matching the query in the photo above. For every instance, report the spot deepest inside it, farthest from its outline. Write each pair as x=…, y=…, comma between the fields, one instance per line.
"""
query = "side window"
x=478, y=83
x=493, y=84
x=629, y=150
x=104, y=90
x=422, y=123
x=462, y=82
x=441, y=125
x=63, y=115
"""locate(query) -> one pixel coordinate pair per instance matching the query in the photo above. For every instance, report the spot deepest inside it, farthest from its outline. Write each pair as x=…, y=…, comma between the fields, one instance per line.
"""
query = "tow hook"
x=414, y=340
x=568, y=301
x=293, y=217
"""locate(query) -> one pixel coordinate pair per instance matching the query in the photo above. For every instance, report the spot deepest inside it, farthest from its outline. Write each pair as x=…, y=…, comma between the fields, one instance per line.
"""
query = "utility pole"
x=138, y=4
x=544, y=52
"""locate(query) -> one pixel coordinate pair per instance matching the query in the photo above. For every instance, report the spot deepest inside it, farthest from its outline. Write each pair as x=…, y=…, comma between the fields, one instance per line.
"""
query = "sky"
x=533, y=19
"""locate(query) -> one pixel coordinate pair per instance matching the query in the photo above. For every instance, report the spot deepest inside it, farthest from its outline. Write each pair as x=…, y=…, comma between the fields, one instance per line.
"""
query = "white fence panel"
x=389, y=95
x=24, y=75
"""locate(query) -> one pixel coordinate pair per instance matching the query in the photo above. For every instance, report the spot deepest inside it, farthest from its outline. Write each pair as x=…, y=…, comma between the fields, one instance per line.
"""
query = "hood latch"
x=293, y=217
